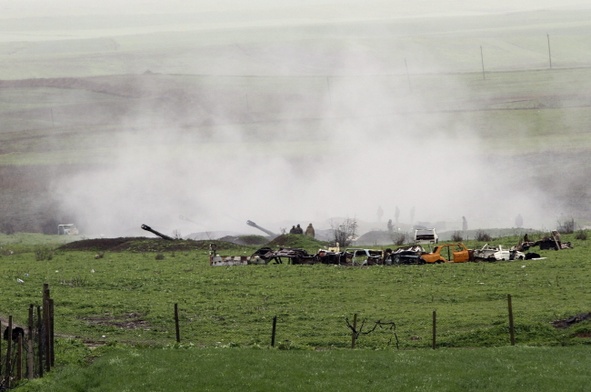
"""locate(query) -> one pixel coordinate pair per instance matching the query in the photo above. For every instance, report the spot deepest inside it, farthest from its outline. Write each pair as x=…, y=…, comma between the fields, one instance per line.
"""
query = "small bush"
x=399, y=238
x=77, y=281
x=483, y=236
x=159, y=256
x=457, y=236
x=581, y=235
x=566, y=227
x=43, y=253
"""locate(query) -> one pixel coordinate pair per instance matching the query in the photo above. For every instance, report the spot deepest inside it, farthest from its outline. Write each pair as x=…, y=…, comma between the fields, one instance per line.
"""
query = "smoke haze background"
x=371, y=143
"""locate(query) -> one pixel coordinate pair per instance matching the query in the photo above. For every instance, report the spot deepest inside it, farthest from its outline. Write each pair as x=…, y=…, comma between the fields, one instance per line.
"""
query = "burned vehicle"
x=361, y=256
x=552, y=243
x=404, y=255
x=216, y=260
x=497, y=252
x=455, y=252
x=329, y=256
x=290, y=256
x=263, y=256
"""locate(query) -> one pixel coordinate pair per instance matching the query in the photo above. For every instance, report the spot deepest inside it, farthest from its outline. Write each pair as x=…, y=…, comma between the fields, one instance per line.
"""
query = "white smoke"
x=371, y=139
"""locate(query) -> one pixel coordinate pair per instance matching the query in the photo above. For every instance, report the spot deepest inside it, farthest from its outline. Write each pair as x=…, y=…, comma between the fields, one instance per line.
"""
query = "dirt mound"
x=245, y=239
x=141, y=244
x=295, y=241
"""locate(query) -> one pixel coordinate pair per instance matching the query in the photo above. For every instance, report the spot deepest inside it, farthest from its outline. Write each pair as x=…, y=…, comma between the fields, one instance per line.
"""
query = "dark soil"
x=567, y=322
x=142, y=244
x=126, y=321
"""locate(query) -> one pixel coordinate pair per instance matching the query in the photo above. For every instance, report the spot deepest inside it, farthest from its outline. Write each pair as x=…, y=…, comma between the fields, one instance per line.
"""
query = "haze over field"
x=303, y=112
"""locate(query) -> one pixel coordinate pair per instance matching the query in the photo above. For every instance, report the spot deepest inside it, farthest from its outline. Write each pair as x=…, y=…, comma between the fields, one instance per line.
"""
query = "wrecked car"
x=455, y=252
x=497, y=252
x=360, y=256
x=404, y=255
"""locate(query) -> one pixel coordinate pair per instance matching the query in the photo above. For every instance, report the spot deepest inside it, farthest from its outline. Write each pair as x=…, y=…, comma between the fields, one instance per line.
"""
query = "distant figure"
x=292, y=230
x=464, y=224
x=519, y=221
x=310, y=232
x=299, y=230
x=390, y=226
x=526, y=238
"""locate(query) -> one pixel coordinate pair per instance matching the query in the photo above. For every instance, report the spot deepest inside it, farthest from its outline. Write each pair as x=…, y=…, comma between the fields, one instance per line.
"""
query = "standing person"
x=292, y=230
x=299, y=230
x=310, y=232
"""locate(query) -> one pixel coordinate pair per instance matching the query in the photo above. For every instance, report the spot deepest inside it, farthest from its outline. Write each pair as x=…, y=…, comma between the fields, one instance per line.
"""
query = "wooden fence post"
x=511, y=324
x=40, y=340
x=51, y=334
x=273, y=331
x=8, y=369
x=30, y=351
x=46, y=328
x=434, y=330
x=176, y=323
x=354, y=331
x=19, y=358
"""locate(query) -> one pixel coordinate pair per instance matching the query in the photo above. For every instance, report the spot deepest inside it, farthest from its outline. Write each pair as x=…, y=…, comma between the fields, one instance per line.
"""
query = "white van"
x=425, y=236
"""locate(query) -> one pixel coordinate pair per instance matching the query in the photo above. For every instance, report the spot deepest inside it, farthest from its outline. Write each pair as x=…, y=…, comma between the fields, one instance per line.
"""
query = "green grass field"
x=124, y=302
x=234, y=369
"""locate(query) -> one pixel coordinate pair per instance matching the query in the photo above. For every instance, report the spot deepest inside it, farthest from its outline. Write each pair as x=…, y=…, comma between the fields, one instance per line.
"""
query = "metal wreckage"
x=406, y=255
x=455, y=252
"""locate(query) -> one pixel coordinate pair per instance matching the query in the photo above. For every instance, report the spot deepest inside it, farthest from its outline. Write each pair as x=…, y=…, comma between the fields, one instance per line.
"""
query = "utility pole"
x=482, y=61
x=407, y=76
x=549, y=52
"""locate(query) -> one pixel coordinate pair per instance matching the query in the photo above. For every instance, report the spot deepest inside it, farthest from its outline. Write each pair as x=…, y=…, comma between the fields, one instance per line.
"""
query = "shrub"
x=581, y=235
x=346, y=232
x=43, y=253
x=483, y=236
x=566, y=227
x=457, y=236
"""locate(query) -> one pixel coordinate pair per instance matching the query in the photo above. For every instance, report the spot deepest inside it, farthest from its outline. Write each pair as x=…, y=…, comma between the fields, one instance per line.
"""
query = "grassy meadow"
x=123, y=302
x=237, y=369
